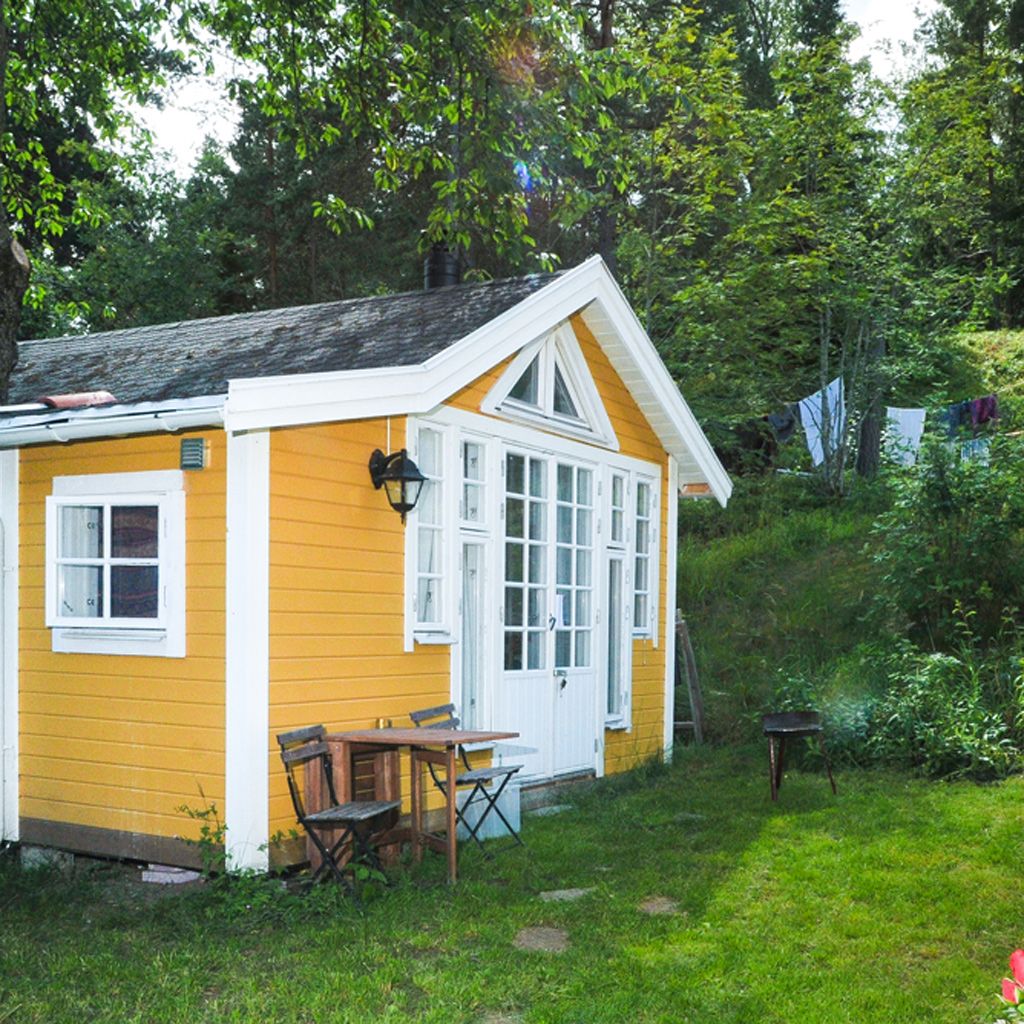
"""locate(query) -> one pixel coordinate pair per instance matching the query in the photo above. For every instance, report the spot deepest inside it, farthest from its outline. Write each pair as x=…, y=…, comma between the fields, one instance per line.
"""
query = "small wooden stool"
x=791, y=724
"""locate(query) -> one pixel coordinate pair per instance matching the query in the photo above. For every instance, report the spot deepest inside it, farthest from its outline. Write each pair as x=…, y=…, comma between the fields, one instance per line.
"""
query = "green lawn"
x=896, y=901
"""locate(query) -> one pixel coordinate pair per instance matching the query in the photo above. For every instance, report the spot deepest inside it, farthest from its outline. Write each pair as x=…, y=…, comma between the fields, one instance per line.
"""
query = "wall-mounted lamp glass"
x=400, y=477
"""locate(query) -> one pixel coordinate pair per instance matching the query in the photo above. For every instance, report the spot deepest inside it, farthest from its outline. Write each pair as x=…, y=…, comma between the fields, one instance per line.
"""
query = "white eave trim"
x=111, y=421
x=266, y=402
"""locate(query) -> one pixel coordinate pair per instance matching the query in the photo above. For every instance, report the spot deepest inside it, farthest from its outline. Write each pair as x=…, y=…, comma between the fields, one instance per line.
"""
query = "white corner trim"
x=669, y=604
x=9, y=564
x=247, y=650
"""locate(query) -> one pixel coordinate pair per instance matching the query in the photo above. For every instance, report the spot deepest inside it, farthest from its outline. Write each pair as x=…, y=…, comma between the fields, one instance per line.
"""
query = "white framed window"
x=645, y=546
x=115, y=564
x=473, y=504
x=617, y=511
x=430, y=612
x=549, y=384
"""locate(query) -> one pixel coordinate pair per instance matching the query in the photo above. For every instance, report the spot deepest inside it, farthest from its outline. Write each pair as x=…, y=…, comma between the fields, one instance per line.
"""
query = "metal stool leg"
x=771, y=767
x=779, y=760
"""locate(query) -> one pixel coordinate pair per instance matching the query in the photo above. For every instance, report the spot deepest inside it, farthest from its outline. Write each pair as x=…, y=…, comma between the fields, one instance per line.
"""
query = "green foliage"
x=952, y=545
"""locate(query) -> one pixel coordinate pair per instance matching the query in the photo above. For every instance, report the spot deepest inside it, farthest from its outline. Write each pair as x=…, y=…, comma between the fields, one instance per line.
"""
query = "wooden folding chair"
x=476, y=779
x=357, y=820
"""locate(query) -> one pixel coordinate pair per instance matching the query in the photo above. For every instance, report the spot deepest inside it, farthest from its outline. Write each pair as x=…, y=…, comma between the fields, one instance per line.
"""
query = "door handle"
x=562, y=683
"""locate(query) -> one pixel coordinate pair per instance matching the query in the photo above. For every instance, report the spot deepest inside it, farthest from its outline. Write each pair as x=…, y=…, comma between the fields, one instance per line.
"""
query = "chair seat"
x=342, y=814
x=486, y=774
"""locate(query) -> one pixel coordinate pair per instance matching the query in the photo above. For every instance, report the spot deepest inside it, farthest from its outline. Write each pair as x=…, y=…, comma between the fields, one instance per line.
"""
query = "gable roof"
x=199, y=357
x=362, y=358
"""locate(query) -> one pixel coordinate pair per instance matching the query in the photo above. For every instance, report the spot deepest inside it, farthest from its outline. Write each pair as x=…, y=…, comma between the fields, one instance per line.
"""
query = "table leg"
x=450, y=805
x=416, y=794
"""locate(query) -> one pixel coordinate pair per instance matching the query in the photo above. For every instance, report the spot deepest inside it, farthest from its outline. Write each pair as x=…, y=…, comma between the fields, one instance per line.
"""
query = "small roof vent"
x=79, y=400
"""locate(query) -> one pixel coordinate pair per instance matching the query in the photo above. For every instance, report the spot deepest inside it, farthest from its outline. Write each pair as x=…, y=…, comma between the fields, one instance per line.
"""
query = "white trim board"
x=9, y=562
x=247, y=651
x=589, y=289
x=669, y=605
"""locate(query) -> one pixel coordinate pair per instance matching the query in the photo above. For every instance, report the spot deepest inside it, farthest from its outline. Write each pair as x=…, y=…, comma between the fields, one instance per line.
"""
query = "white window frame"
x=562, y=348
x=442, y=631
x=650, y=629
x=160, y=637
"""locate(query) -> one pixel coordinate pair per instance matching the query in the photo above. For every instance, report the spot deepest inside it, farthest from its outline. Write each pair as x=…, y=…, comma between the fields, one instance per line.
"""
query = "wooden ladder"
x=685, y=662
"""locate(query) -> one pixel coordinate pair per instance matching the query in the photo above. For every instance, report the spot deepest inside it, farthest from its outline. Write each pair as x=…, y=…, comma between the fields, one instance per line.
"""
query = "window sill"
x=153, y=643
x=616, y=725
x=433, y=639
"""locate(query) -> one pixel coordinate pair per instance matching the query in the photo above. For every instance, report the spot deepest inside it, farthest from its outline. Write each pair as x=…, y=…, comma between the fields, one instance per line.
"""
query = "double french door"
x=547, y=685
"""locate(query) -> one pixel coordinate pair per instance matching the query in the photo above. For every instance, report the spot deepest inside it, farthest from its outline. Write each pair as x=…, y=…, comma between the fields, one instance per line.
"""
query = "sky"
x=200, y=108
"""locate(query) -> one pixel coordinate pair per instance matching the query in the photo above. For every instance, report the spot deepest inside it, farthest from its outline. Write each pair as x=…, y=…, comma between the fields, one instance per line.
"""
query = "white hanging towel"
x=903, y=436
x=812, y=416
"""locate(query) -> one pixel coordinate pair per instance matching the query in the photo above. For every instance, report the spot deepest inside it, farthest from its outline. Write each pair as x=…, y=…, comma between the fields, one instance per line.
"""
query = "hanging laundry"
x=784, y=422
x=954, y=416
x=815, y=409
x=903, y=436
x=984, y=410
x=976, y=449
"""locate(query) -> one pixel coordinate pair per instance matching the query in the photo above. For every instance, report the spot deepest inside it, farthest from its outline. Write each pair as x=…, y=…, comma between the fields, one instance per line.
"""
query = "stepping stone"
x=546, y=812
x=543, y=940
x=564, y=895
x=659, y=905
x=165, y=874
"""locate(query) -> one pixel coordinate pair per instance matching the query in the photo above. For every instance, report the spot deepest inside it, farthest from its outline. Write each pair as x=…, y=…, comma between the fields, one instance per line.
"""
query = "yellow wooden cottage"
x=206, y=561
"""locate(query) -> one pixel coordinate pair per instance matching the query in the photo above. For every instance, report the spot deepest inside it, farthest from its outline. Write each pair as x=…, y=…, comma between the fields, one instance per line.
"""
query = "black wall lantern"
x=400, y=477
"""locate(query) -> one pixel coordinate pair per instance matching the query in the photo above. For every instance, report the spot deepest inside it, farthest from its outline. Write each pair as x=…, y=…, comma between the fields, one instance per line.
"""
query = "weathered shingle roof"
x=198, y=357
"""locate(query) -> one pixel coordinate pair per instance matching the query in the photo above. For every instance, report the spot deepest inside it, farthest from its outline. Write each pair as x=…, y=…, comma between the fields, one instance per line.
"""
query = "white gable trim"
x=590, y=289
x=593, y=425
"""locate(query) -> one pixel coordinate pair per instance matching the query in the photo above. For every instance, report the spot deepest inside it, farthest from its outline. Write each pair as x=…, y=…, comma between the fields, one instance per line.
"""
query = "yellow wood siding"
x=337, y=589
x=120, y=742
x=623, y=749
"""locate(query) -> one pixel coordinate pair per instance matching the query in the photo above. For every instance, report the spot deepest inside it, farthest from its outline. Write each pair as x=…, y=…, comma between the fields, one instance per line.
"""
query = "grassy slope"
x=785, y=597
x=892, y=902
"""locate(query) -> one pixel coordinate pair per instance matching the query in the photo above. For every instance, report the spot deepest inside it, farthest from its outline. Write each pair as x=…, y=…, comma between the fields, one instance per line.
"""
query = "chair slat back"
x=298, y=748
x=443, y=713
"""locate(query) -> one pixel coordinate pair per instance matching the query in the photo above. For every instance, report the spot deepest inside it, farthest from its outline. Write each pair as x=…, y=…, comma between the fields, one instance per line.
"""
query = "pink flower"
x=1017, y=965
x=1010, y=991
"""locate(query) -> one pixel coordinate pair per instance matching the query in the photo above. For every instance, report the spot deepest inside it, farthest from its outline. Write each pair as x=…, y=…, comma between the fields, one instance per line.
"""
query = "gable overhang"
x=588, y=290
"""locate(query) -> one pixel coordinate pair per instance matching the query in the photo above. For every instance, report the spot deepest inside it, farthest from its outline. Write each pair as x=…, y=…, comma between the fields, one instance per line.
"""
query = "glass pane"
x=537, y=561
x=472, y=626
x=563, y=566
x=525, y=389
x=538, y=478
x=134, y=592
x=429, y=549
x=565, y=483
x=514, y=517
x=472, y=461
x=640, y=611
x=563, y=648
x=513, y=606
x=583, y=527
x=583, y=568
x=617, y=525
x=429, y=454
x=535, y=607
x=514, y=563
x=538, y=521
x=614, y=636
x=472, y=503
x=564, y=525
x=534, y=650
x=429, y=505
x=643, y=499
x=428, y=600
x=641, y=574
x=642, y=536
x=81, y=531
x=563, y=608
x=563, y=402
x=583, y=649
x=617, y=495
x=513, y=652
x=583, y=482
x=582, y=607
x=81, y=591
x=514, y=470
x=134, y=531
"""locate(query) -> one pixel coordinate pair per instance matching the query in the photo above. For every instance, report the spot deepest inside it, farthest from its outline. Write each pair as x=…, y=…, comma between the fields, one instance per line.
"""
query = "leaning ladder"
x=686, y=665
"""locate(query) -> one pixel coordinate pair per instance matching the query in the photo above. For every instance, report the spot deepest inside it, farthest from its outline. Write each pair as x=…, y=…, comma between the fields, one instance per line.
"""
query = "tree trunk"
x=869, y=447
x=14, y=271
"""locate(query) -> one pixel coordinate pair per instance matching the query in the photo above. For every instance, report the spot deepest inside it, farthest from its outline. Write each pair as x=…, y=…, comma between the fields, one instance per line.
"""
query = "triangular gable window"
x=549, y=384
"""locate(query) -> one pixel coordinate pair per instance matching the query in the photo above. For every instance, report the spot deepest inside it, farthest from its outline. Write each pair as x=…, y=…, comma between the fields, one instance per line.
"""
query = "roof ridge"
x=225, y=318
